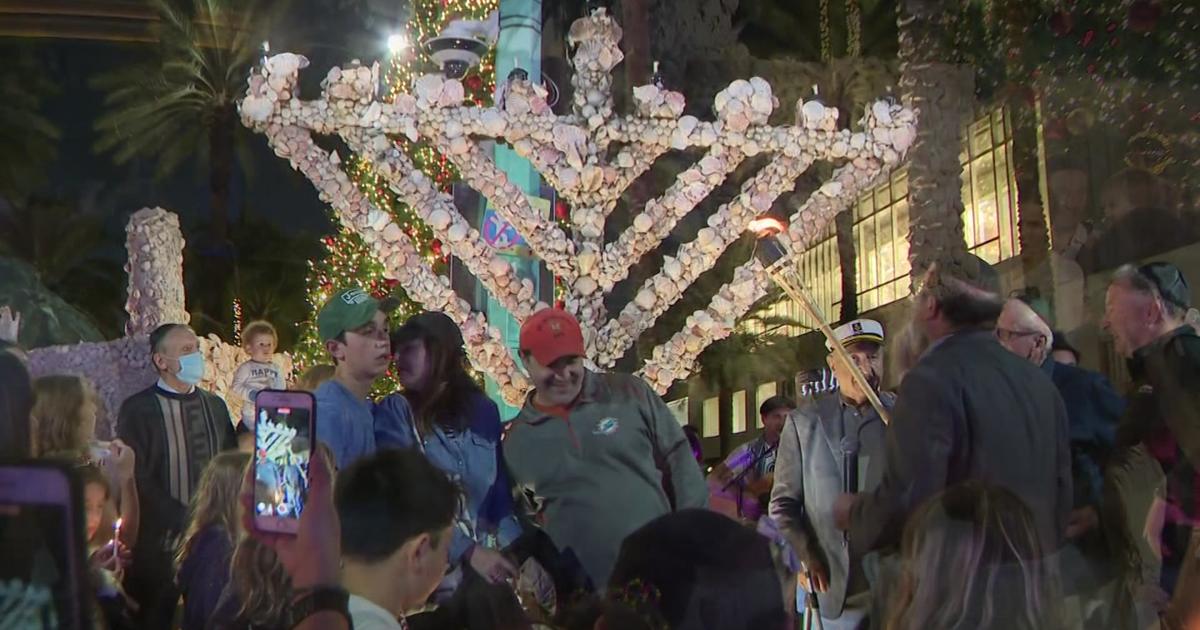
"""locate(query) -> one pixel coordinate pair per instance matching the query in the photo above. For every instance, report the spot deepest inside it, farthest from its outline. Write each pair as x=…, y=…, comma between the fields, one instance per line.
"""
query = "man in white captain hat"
x=832, y=445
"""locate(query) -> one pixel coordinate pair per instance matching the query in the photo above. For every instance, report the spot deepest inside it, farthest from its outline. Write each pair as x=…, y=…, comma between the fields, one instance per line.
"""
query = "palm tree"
x=182, y=102
x=944, y=94
x=27, y=137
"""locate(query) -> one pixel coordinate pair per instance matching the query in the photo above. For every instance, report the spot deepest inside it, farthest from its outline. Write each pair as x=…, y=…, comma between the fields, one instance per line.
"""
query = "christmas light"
x=347, y=261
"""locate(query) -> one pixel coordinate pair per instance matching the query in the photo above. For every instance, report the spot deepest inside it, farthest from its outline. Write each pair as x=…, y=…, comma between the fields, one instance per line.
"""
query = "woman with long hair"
x=972, y=560
x=203, y=558
x=64, y=425
x=444, y=413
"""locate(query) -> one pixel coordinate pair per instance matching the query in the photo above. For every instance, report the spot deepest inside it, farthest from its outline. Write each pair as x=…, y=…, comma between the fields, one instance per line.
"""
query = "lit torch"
x=774, y=255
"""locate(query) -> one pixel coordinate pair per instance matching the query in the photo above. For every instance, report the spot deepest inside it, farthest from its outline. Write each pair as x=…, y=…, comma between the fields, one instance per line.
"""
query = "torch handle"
x=800, y=293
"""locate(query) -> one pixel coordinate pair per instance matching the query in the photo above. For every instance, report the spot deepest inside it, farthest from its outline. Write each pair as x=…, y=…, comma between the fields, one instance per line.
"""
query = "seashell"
x=882, y=112
x=392, y=233
x=493, y=122
x=813, y=112
x=586, y=260
x=831, y=189
x=439, y=219
x=257, y=109
x=499, y=267
x=706, y=237
x=453, y=129
x=672, y=268
x=645, y=299
x=585, y=286
x=457, y=232
x=642, y=223
x=903, y=137
x=741, y=89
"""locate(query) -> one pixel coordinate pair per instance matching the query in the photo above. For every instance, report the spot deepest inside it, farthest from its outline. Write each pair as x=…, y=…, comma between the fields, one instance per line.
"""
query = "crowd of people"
x=1000, y=486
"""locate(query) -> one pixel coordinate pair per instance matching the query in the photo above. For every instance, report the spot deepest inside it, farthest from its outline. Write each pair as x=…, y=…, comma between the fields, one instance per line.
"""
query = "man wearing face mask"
x=833, y=445
x=175, y=428
x=594, y=447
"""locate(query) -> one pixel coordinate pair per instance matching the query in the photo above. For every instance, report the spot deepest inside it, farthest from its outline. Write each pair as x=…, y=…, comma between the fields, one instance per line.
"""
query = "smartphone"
x=284, y=429
x=42, y=542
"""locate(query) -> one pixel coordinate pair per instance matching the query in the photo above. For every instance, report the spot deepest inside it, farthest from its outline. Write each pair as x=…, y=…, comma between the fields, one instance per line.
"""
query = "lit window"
x=881, y=243
x=990, y=216
x=739, y=411
x=764, y=391
x=711, y=416
x=680, y=409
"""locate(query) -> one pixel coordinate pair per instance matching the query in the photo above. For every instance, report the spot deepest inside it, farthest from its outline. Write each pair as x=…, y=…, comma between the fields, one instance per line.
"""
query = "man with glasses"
x=354, y=329
x=1093, y=407
x=968, y=410
x=1144, y=311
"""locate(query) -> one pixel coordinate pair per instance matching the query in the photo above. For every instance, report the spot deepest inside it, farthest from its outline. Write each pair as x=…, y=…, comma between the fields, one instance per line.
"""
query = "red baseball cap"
x=551, y=334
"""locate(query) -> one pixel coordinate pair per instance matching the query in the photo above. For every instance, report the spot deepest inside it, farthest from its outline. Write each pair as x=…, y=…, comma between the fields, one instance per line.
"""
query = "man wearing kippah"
x=354, y=330
x=833, y=445
x=1145, y=312
x=592, y=446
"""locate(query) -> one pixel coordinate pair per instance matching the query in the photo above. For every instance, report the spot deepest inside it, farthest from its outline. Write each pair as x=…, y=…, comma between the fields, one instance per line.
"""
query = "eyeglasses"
x=1006, y=335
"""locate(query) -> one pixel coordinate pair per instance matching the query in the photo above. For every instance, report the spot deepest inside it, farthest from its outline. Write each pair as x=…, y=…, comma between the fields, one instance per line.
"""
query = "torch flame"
x=766, y=226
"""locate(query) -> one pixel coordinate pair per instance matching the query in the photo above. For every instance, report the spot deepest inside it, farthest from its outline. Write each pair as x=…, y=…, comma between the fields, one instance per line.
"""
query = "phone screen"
x=39, y=577
x=282, y=446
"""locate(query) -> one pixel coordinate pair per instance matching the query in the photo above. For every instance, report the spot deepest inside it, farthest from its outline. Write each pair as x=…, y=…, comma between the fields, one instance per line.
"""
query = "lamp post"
x=777, y=260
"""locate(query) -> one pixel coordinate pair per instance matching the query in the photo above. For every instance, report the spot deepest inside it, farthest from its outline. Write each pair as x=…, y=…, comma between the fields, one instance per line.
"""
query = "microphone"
x=849, y=472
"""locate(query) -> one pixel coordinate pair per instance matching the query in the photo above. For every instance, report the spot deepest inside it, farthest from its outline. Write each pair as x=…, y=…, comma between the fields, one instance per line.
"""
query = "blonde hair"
x=57, y=414
x=258, y=579
x=972, y=559
x=312, y=378
x=216, y=499
x=258, y=328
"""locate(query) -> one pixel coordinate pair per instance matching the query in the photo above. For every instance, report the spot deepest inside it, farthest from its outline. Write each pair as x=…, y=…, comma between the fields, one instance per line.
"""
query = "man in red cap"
x=595, y=447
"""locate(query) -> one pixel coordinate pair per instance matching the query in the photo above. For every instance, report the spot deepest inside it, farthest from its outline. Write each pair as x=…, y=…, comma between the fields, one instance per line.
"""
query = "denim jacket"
x=472, y=458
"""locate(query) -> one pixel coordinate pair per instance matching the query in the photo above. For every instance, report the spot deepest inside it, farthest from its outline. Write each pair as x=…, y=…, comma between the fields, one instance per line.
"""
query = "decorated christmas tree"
x=347, y=260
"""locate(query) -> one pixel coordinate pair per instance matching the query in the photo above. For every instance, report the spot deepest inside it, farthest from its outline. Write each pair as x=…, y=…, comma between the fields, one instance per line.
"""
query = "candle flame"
x=766, y=226
x=117, y=525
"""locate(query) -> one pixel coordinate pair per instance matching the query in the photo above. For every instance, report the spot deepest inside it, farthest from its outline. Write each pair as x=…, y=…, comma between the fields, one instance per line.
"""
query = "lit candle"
x=117, y=530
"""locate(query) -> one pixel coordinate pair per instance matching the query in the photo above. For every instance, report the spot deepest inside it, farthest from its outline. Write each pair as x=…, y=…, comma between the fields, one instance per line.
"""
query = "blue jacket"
x=1093, y=410
x=472, y=458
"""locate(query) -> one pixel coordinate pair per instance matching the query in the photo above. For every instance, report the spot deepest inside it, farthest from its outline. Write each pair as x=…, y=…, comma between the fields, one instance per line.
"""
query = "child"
x=108, y=556
x=204, y=555
x=260, y=372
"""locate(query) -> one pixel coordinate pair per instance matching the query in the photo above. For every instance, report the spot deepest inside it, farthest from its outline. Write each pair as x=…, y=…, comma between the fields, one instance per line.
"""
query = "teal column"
x=519, y=45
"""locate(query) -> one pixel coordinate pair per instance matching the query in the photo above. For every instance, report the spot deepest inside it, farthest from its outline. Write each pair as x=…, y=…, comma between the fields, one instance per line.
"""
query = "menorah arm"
x=437, y=210
x=400, y=259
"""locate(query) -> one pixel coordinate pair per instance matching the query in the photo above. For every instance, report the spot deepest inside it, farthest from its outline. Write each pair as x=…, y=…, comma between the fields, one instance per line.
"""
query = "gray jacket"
x=971, y=410
x=808, y=479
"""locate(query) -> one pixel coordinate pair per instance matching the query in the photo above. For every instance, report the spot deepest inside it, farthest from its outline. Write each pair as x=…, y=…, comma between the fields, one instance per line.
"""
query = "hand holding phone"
x=283, y=432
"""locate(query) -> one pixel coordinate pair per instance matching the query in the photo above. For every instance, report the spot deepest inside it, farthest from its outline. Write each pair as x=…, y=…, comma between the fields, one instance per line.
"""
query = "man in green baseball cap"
x=354, y=328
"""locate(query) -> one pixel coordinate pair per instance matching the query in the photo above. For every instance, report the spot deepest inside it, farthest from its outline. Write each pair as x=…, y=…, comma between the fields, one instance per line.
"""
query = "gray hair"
x=1131, y=276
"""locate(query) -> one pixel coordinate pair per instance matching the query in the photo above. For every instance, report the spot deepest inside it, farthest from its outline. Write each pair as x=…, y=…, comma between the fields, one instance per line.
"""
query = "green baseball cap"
x=348, y=309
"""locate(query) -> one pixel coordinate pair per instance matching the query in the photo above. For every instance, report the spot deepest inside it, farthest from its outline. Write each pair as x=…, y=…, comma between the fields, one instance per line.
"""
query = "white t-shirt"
x=367, y=615
x=250, y=378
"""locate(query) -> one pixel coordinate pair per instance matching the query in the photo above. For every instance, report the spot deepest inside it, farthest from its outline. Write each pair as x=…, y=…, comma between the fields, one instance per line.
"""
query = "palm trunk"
x=220, y=145
x=1034, y=223
x=943, y=93
x=848, y=258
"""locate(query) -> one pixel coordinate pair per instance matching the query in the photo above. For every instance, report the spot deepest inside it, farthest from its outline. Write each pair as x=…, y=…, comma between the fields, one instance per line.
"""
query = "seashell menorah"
x=570, y=152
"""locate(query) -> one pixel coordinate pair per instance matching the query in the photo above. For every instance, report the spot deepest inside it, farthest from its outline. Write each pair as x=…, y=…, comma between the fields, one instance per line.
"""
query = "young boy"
x=260, y=372
x=354, y=329
x=396, y=511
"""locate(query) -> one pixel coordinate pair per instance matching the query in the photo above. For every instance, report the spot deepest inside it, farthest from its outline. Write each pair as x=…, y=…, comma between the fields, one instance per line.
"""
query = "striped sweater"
x=173, y=436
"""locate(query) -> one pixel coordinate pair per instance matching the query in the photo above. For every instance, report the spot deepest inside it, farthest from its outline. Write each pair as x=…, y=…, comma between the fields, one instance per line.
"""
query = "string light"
x=347, y=260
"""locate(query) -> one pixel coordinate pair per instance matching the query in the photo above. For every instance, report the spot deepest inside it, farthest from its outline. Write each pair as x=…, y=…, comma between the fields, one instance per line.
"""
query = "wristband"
x=321, y=599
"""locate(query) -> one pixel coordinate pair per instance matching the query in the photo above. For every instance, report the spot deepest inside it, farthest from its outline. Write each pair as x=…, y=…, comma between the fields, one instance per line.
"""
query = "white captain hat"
x=857, y=330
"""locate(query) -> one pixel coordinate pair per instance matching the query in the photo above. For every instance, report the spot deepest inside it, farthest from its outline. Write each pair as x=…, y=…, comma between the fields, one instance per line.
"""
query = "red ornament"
x=391, y=282
x=1091, y=68
x=328, y=241
x=561, y=211
x=473, y=83
x=560, y=304
x=1144, y=15
x=435, y=246
x=1087, y=38
x=1061, y=23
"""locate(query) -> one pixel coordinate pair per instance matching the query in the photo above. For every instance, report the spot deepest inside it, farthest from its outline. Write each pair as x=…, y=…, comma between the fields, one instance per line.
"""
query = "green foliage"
x=27, y=138
x=165, y=107
x=46, y=318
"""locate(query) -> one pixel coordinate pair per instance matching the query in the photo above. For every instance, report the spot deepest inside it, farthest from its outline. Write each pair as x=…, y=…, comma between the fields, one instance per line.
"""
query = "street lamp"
x=775, y=257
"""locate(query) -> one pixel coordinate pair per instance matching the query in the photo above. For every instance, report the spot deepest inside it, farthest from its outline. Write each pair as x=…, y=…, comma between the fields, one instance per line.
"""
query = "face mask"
x=191, y=368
